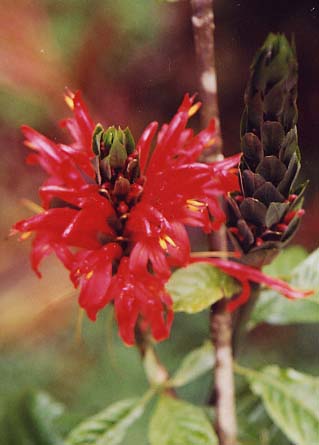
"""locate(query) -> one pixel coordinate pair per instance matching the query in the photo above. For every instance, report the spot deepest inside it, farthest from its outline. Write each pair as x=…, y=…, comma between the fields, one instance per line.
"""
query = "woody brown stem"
x=221, y=333
x=203, y=29
x=220, y=319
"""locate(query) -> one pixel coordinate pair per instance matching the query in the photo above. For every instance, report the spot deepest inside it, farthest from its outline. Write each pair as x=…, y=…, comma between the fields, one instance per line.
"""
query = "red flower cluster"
x=114, y=213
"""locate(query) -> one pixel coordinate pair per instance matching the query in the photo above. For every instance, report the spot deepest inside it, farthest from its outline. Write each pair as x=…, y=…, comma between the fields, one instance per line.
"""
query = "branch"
x=220, y=319
x=203, y=28
x=143, y=344
x=221, y=332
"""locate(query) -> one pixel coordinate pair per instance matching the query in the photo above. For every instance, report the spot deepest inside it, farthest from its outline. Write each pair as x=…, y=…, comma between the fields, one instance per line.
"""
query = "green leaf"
x=29, y=420
x=272, y=308
x=196, y=287
x=176, y=422
x=286, y=261
x=196, y=363
x=254, y=424
x=291, y=400
x=110, y=425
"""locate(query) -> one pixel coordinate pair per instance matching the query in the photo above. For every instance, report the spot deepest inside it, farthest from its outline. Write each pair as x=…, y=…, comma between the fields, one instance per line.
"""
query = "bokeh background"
x=133, y=61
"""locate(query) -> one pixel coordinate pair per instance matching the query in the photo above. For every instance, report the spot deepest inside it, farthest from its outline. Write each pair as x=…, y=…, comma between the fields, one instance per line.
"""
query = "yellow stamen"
x=32, y=206
x=169, y=240
x=163, y=243
x=210, y=142
x=30, y=145
x=69, y=102
x=89, y=275
x=221, y=254
x=193, y=208
x=193, y=109
x=195, y=203
x=25, y=235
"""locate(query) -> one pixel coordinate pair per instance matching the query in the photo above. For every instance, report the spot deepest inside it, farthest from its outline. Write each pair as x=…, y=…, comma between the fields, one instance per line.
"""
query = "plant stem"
x=221, y=332
x=143, y=343
x=220, y=319
x=203, y=28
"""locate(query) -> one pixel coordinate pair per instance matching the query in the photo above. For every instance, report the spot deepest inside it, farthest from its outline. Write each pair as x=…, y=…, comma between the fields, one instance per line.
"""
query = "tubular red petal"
x=40, y=143
x=241, y=271
x=226, y=163
x=144, y=144
x=126, y=314
x=94, y=287
x=242, y=298
x=186, y=103
x=41, y=247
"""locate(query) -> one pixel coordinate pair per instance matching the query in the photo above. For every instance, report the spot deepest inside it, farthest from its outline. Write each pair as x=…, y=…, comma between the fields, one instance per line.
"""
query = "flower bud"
x=268, y=200
x=118, y=153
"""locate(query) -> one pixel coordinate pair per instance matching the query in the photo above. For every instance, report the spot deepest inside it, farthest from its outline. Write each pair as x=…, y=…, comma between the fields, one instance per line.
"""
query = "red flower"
x=115, y=214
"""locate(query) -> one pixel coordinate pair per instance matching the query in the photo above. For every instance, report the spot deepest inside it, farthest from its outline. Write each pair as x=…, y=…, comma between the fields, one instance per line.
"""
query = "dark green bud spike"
x=271, y=90
x=96, y=139
x=270, y=162
x=117, y=153
x=129, y=141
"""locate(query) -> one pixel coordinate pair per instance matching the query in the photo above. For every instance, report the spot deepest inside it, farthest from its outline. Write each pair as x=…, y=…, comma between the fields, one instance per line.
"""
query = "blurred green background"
x=133, y=61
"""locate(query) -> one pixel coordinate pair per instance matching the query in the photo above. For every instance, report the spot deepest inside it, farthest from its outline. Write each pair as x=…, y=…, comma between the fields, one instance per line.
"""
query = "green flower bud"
x=96, y=139
x=109, y=136
x=129, y=141
x=117, y=153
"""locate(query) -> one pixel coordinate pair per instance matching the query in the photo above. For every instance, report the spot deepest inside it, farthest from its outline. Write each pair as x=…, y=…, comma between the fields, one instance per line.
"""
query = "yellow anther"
x=195, y=205
x=193, y=208
x=25, y=235
x=211, y=142
x=163, y=243
x=169, y=240
x=89, y=275
x=69, y=102
x=193, y=109
x=30, y=145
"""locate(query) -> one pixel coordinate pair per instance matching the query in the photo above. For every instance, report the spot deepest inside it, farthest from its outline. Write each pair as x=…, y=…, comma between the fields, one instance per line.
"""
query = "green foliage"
x=291, y=400
x=197, y=286
x=286, y=261
x=109, y=426
x=176, y=422
x=274, y=309
x=196, y=363
x=30, y=421
x=254, y=425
